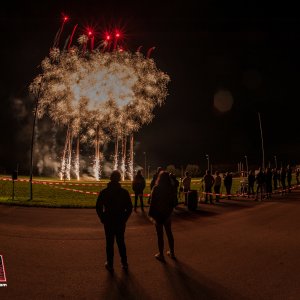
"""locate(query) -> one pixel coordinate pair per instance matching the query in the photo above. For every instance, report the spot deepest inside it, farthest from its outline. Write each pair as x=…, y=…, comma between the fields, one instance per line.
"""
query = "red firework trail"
x=150, y=51
x=57, y=38
x=71, y=38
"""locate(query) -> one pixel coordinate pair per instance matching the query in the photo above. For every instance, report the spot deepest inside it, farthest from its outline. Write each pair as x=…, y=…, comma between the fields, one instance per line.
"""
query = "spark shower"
x=97, y=94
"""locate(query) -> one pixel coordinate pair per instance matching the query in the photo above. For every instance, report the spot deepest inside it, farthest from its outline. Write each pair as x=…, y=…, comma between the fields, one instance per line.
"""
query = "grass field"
x=49, y=192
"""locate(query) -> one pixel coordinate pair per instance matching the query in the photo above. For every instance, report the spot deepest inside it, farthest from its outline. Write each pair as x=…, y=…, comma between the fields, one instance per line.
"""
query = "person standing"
x=297, y=175
x=208, y=183
x=186, y=184
x=260, y=181
x=228, y=184
x=289, y=178
x=251, y=181
x=282, y=180
x=162, y=203
x=268, y=177
x=114, y=207
x=217, y=186
x=138, y=186
x=275, y=179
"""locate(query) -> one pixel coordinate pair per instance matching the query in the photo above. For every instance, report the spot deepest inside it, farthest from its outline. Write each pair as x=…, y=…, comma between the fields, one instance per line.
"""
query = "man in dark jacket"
x=114, y=208
x=138, y=186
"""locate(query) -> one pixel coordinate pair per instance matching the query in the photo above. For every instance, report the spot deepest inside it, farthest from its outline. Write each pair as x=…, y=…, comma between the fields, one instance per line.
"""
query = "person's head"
x=139, y=172
x=115, y=176
x=217, y=173
x=187, y=174
x=163, y=179
x=207, y=172
x=250, y=172
x=172, y=175
x=159, y=169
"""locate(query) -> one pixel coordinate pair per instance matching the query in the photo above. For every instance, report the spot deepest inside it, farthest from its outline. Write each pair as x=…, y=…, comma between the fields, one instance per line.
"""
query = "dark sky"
x=250, y=50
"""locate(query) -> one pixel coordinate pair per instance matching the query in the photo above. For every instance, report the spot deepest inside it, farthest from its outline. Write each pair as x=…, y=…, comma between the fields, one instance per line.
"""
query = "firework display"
x=98, y=95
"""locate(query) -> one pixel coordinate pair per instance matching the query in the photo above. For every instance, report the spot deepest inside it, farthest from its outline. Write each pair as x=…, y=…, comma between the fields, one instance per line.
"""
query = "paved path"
x=238, y=249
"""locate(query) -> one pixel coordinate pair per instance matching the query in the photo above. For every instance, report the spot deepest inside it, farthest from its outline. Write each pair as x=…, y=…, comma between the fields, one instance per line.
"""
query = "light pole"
x=275, y=158
x=262, y=142
x=247, y=164
x=207, y=157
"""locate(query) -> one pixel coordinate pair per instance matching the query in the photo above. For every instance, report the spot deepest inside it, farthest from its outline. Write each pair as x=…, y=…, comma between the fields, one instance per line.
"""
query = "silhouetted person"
x=208, y=183
x=289, y=177
x=138, y=186
x=268, y=178
x=275, y=178
x=251, y=181
x=186, y=184
x=297, y=176
x=161, y=207
x=282, y=180
x=260, y=182
x=228, y=184
x=217, y=186
x=114, y=208
x=175, y=184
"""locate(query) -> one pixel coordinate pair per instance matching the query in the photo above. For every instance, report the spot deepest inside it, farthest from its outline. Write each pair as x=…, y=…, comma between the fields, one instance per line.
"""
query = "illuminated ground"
x=235, y=250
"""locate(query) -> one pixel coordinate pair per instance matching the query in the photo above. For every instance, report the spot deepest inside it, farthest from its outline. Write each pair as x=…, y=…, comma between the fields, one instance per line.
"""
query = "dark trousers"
x=207, y=189
x=228, y=190
x=186, y=194
x=160, y=235
x=275, y=184
x=136, y=195
x=289, y=185
x=112, y=232
x=251, y=189
x=217, y=189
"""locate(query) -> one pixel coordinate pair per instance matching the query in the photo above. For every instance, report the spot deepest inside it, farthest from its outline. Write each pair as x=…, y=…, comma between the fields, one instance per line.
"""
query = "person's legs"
x=160, y=238
x=217, y=191
x=120, y=231
x=141, y=201
x=110, y=237
x=168, y=229
x=210, y=195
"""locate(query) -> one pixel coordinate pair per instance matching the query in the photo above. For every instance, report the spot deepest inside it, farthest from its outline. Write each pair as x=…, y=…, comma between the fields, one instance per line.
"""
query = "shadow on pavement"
x=187, y=283
x=124, y=286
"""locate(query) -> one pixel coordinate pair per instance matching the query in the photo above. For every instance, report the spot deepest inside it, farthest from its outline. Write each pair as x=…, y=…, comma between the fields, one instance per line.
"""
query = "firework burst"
x=98, y=95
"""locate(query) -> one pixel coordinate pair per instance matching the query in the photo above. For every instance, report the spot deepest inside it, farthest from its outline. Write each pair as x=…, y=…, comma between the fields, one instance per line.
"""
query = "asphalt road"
x=238, y=249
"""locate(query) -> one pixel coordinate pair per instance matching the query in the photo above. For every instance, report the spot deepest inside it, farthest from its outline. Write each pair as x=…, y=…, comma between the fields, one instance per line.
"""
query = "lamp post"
x=207, y=157
x=262, y=142
x=247, y=164
x=275, y=158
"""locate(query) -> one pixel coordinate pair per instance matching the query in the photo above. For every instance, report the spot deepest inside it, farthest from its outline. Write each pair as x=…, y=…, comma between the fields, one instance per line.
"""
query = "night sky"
x=249, y=50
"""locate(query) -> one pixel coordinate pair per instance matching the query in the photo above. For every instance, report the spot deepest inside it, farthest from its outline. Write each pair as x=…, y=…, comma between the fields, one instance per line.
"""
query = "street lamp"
x=262, y=142
x=207, y=157
x=275, y=158
x=247, y=164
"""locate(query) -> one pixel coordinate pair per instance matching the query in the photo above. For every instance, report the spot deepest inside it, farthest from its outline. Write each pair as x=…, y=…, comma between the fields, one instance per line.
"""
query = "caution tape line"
x=87, y=192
